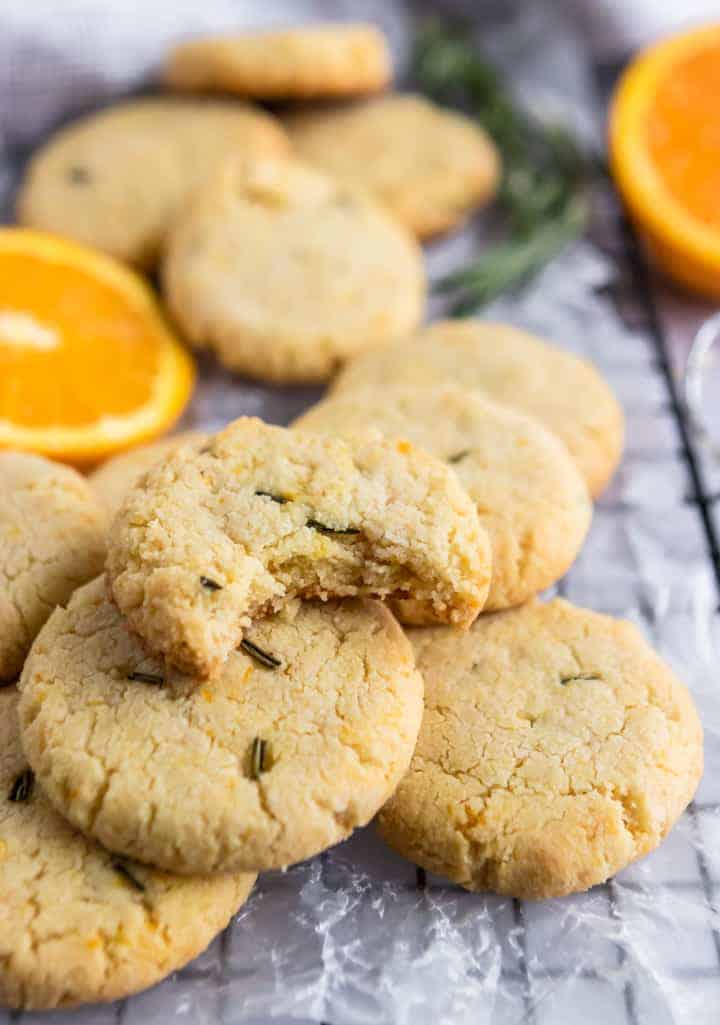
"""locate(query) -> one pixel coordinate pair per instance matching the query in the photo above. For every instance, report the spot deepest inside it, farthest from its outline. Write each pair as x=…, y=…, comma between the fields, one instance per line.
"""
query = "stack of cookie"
x=258, y=222
x=217, y=683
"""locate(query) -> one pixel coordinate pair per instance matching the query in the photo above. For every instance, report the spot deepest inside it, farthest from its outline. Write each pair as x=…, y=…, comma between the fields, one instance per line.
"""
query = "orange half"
x=665, y=154
x=88, y=366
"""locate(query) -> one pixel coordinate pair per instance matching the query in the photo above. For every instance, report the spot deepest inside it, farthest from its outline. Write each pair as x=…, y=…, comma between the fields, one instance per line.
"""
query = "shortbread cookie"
x=215, y=539
x=563, y=391
x=304, y=62
x=556, y=748
x=78, y=924
x=286, y=274
x=430, y=167
x=529, y=494
x=116, y=179
x=112, y=481
x=302, y=737
x=52, y=539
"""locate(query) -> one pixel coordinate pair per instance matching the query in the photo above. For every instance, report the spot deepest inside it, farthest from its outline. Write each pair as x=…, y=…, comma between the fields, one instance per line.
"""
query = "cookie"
x=304, y=62
x=529, y=494
x=556, y=748
x=286, y=274
x=116, y=179
x=215, y=539
x=78, y=924
x=52, y=539
x=429, y=166
x=112, y=481
x=302, y=737
x=561, y=390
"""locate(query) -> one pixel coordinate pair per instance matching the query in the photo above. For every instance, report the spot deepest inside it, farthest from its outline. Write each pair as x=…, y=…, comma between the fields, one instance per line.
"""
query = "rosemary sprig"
x=152, y=678
x=257, y=757
x=323, y=528
x=22, y=787
x=264, y=658
x=540, y=194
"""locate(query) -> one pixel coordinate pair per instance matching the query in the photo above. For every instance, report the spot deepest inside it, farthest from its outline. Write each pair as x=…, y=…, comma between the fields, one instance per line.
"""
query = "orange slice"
x=87, y=364
x=665, y=154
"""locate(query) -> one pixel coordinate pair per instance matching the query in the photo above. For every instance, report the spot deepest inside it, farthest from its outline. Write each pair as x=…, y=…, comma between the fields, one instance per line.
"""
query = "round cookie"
x=286, y=274
x=116, y=179
x=77, y=924
x=302, y=737
x=305, y=62
x=52, y=539
x=530, y=497
x=561, y=390
x=556, y=748
x=429, y=166
x=218, y=537
x=112, y=481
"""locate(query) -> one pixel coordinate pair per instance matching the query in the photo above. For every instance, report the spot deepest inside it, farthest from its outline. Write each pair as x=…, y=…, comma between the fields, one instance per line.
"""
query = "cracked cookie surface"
x=77, y=924
x=52, y=539
x=116, y=179
x=561, y=390
x=286, y=274
x=218, y=537
x=529, y=495
x=113, y=480
x=310, y=61
x=429, y=166
x=302, y=737
x=556, y=748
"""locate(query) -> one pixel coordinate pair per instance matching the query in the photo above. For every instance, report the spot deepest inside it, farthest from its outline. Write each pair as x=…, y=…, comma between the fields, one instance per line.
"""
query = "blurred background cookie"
x=303, y=62
x=429, y=166
x=116, y=179
x=561, y=390
x=286, y=274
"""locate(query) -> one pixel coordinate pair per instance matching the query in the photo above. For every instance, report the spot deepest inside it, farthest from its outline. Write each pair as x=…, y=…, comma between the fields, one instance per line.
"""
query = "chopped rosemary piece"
x=323, y=528
x=147, y=678
x=543, y=170
x=22, y=788
x=78, y=175
x=210, y=584
x=121, y=868
x=459, y=456
x=257, y=757
x=273, y=498
x=564, y=680
x=264, y=658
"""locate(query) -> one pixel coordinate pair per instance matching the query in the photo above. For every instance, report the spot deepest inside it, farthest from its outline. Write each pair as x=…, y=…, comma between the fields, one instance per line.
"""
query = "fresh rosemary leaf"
x=541, y=192
x=565, y=680
x=264, y=658
x=458, y=456
x=258, y=752
x=323, y=528
x=153, y=678
x=122, y=869
x=22, y=788
x=273, y=498
x=210, y=584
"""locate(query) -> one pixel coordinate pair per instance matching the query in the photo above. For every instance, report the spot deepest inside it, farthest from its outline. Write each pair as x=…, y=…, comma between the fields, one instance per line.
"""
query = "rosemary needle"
x=257, y=757
x=264, y=658
x=541, y=192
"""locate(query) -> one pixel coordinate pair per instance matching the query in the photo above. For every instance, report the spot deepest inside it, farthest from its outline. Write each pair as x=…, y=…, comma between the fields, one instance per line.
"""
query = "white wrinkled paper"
x=348, y=938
